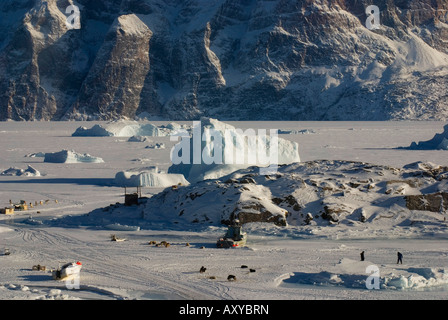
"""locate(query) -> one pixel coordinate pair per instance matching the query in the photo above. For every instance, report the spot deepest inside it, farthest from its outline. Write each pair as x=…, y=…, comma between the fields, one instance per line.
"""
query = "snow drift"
x=350, y=273
x=416, y=278
x=70, y=156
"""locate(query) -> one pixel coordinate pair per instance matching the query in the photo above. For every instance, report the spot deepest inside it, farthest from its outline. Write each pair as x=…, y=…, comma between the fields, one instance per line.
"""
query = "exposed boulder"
x=434, y=202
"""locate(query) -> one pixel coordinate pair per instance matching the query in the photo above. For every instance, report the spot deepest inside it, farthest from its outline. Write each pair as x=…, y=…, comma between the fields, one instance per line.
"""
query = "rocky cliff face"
x=228, y=59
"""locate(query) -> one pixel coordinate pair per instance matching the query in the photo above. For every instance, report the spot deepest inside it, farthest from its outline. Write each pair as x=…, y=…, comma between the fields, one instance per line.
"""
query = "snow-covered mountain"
x=228, y=59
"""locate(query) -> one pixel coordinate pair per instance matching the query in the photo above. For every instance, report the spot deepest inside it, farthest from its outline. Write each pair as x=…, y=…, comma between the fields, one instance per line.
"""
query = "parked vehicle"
x=233, y=238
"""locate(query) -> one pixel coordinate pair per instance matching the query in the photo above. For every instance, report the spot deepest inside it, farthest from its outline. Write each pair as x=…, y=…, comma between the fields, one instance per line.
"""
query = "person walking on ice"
x=400, y=258
x=362, y=256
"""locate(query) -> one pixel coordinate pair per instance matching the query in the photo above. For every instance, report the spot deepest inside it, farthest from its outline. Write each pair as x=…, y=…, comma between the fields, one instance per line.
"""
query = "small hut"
x=132, y=198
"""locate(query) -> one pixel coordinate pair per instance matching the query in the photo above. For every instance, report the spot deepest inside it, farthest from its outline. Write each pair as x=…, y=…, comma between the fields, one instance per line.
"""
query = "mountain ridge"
x=228, y=59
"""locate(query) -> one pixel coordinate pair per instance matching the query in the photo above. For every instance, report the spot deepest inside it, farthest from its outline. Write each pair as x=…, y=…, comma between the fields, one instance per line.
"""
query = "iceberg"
x=438, y=142
x=137, y=139
x=148, y=178
x=120, y=128
x=96, y=131
x=29, y=172
x=35, y=155
x=214, y=149
x=70, y=156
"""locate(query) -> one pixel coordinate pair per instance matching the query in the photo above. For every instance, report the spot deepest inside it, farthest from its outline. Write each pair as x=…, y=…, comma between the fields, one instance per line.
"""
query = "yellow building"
x=7, y=211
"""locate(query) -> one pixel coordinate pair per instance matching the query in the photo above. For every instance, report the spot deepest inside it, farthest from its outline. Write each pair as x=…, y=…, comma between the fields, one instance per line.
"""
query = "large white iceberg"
x=214, y=149
x=70, y=156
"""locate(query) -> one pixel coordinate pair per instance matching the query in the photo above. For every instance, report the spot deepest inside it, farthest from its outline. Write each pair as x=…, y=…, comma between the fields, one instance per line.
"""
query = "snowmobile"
x=233, y=238
x=67, y=270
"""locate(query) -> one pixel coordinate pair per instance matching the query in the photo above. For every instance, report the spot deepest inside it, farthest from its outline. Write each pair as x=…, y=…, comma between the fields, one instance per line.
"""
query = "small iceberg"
x=438, y=142
x=29, y=172
x=119, y=128
x=70, y=156
x=156, y=146
x=138, y=139
x=148, y=177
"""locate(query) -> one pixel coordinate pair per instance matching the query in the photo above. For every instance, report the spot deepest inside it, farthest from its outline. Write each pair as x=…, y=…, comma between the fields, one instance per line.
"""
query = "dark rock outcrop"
x=434, y=202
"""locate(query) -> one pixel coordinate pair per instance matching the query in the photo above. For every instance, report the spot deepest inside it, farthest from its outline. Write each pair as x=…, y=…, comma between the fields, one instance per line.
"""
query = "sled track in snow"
x=102, y=261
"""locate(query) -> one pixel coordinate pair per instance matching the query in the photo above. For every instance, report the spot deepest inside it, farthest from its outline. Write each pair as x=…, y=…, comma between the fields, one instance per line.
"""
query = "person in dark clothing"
x=400, y=258
x=362, y=256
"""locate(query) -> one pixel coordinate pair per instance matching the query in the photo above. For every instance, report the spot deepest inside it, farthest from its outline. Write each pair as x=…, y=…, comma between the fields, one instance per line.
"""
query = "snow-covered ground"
x=285, y=263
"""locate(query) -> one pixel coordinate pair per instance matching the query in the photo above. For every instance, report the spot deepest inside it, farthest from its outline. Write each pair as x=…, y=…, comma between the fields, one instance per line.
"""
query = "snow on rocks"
x=70, y=156
x=301, y=200
x=305, y=198
x=255, y=204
